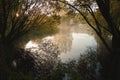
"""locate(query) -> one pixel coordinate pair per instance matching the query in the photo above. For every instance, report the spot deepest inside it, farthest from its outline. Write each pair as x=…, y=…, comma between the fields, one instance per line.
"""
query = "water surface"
x=72, y=41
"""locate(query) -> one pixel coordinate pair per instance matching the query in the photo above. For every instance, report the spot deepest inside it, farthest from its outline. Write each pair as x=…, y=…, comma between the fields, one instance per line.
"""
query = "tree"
x=84, y=6
x=18, y=16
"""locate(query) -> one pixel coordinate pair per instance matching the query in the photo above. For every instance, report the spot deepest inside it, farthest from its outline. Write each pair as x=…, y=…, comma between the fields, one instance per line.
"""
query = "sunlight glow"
x=49, y=37
x=17, y=15
x=31, y=44
x=70, y=1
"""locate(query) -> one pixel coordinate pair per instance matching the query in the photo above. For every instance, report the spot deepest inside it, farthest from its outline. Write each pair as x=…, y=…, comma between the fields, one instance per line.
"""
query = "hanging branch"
x=92, y=26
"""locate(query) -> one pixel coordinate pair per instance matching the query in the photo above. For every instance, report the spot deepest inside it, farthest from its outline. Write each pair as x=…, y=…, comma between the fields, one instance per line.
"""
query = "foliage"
x=19, y=16
x=40, y=30
x=20, y=76
x=43, y=64
x=109, y=10
x=51, y=24
x=115, y=11
x=82, y=7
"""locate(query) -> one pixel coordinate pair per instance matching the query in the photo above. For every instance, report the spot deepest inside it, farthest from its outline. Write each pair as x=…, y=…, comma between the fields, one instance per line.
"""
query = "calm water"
x=71, y=41
x=80, y=43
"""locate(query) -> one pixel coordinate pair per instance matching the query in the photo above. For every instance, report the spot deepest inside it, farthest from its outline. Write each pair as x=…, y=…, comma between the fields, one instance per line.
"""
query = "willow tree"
x=18, y=16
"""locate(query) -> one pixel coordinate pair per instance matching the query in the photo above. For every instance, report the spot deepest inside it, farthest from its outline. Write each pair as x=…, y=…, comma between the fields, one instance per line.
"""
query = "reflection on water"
x=80, y=43
x=31, y=44
x=70, y=47
x=71, y=41
x=44, y=52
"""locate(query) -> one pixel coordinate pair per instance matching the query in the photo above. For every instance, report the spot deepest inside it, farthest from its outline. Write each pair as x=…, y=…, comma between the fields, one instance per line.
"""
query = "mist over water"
x=71, y=40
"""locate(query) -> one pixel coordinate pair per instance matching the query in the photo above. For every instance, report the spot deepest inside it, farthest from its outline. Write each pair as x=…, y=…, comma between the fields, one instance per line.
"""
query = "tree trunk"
x=115, y=59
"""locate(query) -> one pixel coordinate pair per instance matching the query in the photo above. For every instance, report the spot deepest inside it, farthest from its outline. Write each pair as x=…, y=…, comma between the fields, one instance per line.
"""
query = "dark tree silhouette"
x=112, y=28
x=18, y=16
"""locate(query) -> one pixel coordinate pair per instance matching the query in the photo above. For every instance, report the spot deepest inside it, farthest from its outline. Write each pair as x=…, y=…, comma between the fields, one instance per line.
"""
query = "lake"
x=72, y=40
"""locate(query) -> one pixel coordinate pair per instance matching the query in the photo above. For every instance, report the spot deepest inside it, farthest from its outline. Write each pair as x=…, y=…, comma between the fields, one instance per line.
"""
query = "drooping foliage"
x=18, y=16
